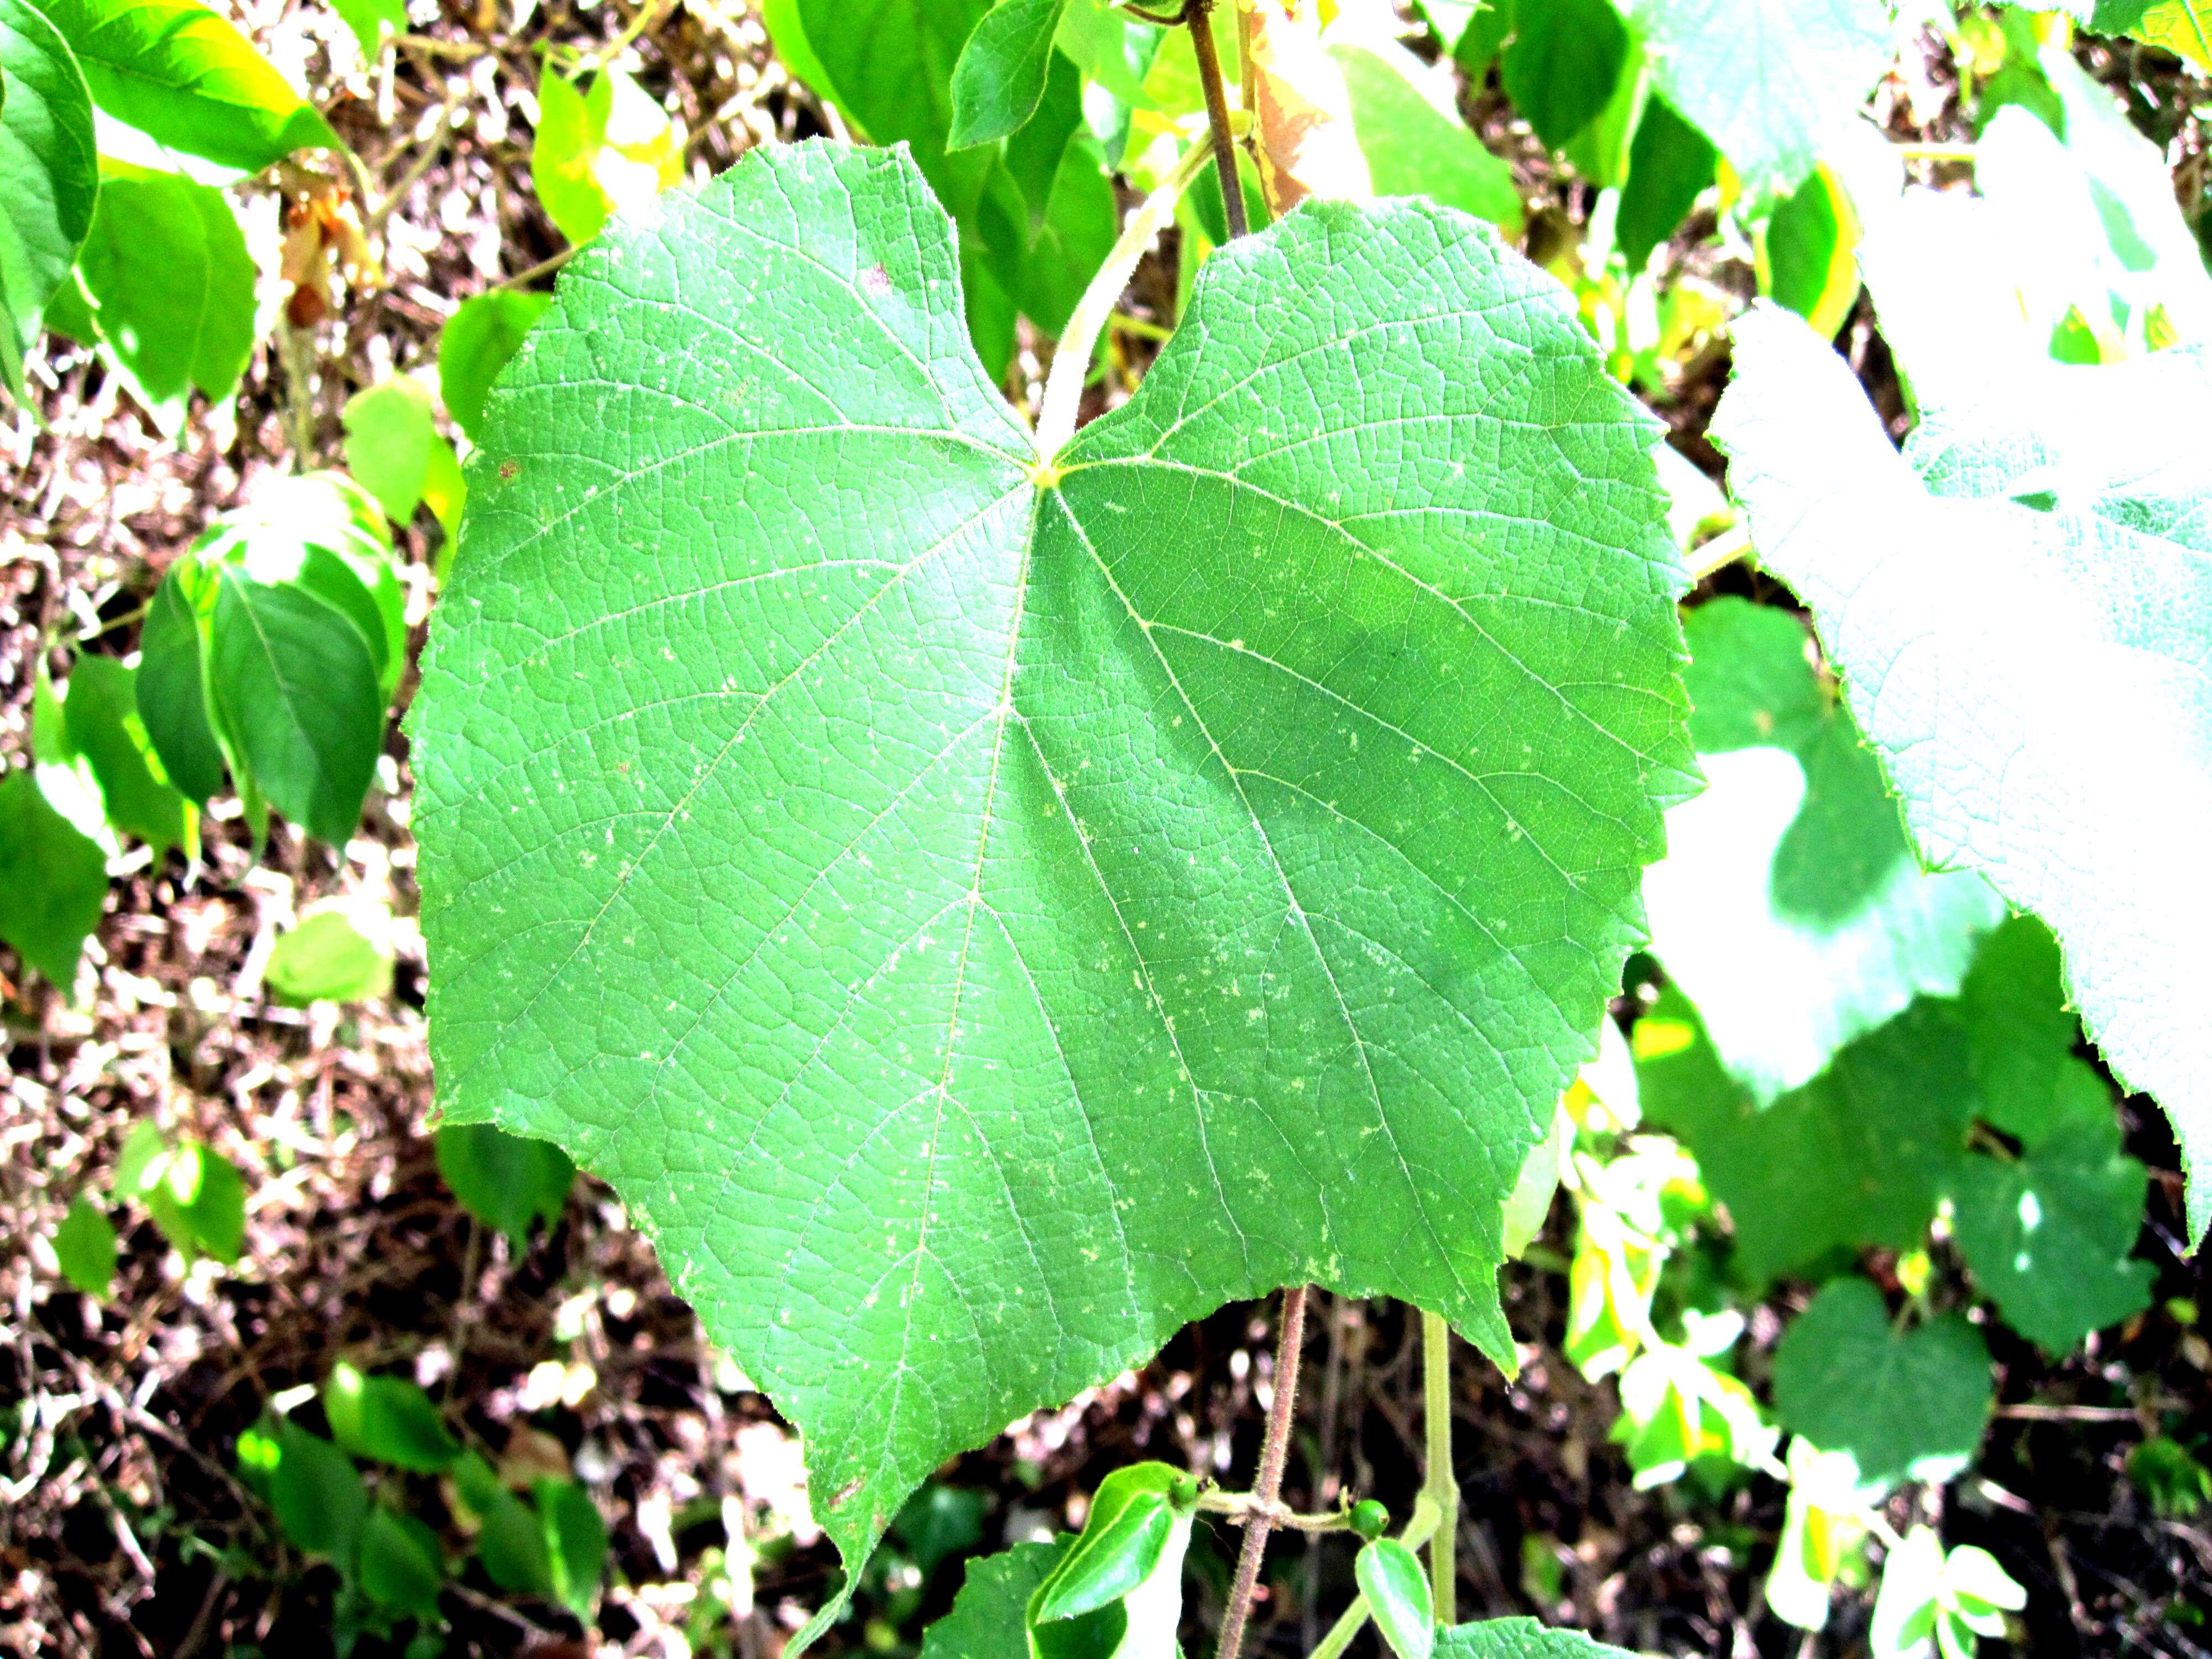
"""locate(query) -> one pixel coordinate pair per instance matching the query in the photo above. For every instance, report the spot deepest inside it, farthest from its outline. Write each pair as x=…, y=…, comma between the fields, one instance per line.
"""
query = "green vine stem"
x=1070, y=359
x=1438, y=1486
x=1290, y=1339
x=1199, y=14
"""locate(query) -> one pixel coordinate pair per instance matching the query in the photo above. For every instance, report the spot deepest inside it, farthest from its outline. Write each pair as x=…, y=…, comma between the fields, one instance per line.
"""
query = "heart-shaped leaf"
x=983, y=911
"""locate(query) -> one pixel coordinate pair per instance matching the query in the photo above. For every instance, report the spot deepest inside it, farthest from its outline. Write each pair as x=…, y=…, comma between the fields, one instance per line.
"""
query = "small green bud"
x=1183, y=1494
x=1369, y=1518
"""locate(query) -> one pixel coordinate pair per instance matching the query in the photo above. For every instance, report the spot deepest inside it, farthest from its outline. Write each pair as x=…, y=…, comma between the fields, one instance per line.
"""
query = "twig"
x=433, y=146
x=1289, y=1339
x=1199, y=14
x=1245, y=1509
x=1438, y=1483
x=543, y=268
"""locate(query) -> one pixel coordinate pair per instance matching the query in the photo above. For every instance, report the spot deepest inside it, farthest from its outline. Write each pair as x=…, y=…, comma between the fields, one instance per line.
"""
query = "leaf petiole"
x=1070, y=359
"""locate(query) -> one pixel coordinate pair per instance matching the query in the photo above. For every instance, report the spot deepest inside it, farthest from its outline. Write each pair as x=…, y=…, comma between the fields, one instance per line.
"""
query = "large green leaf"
x=1789, y=906
x=185, y=77
x=2022, y=608
x=171, y=286
x=1771, y=81
x=1670, y=163
x=984, y=914
x=53, y=880
x=49, y=176
x=1905, y=1404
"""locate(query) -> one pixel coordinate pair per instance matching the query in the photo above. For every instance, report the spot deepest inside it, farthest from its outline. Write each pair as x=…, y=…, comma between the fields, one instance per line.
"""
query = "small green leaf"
x=1908, y=1406
x=1563, y=63
x=392, y=441
x=294, y=672
x=180, y=74
x=1904, y=1608
x=2048, y=1237
x=318, y=1495
x=388, y=1418
x=371, y=21
x=1518, y=1639
x=401, y=1566
x=1414, y=141
x=1123, y=1537
x=2169, y=1475
x=1670, y=164
x=1861, y=1155
x=194, y=1195
x=1807, y=252
x=49, y=176
x=940, y=1521
x=999, y=75
x=1396, y=1586
x=171, y=286
x=84, y=1245
x=2021, y=1036
x=565, y=143
x=1820, y=1526
x=575, y=1542
x=102, y=711
x=338, y=954
x=475, y=345
x=510, y=1536
x=507, y=1182
x=172, y=691
x=53, y=881
x=608, y=150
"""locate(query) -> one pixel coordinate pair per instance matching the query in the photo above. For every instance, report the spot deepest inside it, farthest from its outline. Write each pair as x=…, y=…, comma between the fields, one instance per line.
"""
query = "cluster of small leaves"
x=392, y=1564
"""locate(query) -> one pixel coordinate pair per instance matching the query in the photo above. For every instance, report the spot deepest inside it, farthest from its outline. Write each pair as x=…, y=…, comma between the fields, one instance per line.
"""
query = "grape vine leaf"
x=1770, y=82
x=185, y=77
x=983, y=913
x=49, y=176
x=2048, y=1235
x=1861, y=1155
x=1905, y=1405
x=2022, y=608
x=1789, y=906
